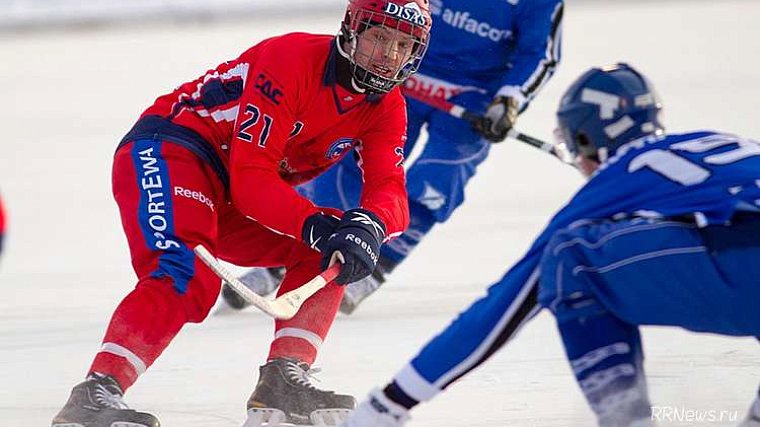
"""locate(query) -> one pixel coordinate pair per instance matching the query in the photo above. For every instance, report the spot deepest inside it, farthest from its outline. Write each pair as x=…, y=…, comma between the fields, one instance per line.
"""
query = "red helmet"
x=411, y=17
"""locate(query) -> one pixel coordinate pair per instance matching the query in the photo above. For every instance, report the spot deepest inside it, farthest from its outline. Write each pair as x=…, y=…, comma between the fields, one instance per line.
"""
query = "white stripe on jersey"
x=228, y=115
x=546, y=66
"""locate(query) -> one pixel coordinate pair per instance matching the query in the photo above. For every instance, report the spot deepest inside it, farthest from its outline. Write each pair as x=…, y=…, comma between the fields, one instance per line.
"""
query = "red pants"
x=170, y=201
x=2, y=225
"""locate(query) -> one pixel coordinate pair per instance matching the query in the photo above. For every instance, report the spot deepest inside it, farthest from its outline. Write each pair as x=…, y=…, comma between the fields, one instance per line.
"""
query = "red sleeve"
x=381, y=157
x=2, y=218
x=265, y=118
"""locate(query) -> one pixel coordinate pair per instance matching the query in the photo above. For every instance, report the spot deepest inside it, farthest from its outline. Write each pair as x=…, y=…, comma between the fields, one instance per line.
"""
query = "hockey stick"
x=283, y=307
x=460, y=112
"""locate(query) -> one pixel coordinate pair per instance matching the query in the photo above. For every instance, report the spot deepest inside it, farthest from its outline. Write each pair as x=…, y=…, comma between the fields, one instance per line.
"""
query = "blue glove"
x=356, y=244
x=317, y=229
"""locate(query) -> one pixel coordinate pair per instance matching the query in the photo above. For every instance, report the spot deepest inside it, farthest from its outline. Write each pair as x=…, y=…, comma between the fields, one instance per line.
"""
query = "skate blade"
x=269, y=417
x=328, y=417
x=266, y=417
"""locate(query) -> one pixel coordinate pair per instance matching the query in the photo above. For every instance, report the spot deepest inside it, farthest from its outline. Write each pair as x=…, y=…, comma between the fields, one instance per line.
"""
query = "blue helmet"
x=605, y=108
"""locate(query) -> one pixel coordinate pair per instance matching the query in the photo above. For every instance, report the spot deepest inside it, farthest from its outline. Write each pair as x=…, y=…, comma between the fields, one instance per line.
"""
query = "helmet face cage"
x=387, y=41
x=605, y=108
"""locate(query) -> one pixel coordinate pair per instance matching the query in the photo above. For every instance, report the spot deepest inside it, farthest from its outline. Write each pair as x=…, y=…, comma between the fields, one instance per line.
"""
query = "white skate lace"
x=302, y=376
x=108, y=399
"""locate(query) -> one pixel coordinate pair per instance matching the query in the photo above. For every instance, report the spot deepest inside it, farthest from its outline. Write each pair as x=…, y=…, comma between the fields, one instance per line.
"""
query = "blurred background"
x=34, y=15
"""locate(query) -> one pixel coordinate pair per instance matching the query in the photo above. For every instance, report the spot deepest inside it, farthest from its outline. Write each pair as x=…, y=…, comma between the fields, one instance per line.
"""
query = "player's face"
x=383, y=51
x=586, y=166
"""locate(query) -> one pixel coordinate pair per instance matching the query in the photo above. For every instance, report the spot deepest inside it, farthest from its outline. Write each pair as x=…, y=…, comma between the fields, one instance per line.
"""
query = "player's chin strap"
x=460, y=112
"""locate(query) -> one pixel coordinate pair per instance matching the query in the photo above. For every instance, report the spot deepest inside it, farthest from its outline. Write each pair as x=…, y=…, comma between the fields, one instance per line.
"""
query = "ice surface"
x=67, y=98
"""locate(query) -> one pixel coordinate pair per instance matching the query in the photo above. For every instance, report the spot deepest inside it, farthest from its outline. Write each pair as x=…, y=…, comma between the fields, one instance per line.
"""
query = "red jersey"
x=276, y=117
x=2, y=219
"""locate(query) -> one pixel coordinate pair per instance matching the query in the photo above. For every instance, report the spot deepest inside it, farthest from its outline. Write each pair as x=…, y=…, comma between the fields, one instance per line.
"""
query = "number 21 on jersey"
x=253, y=114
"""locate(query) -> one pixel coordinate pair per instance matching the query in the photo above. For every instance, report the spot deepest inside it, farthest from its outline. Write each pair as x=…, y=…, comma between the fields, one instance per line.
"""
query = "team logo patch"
x=268, y=88
x=338, y=148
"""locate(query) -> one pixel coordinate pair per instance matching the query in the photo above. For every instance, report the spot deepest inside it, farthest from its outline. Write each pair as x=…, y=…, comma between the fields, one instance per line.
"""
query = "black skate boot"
x=97, y=402
x=261, y=280
x=284, y=385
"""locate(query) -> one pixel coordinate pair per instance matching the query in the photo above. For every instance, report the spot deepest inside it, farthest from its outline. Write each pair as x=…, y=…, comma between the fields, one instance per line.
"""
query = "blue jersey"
x=495, y=44
x=703, y=176
x=605, y=270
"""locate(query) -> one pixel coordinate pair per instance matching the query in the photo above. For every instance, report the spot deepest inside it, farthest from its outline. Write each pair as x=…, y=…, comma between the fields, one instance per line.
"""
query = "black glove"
x=356, y=243
x=317, y=229
x=500, y=116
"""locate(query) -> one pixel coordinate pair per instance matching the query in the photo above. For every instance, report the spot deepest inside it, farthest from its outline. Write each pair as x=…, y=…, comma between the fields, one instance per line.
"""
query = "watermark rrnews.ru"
x=683, y=414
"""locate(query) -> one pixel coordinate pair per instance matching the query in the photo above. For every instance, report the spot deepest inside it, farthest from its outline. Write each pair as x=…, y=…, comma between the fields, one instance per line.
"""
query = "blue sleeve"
x=479, y=331
x=538, y=28
x=475, y=335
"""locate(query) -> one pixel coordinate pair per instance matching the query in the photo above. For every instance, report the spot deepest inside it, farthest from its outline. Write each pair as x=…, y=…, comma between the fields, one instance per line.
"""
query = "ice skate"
x=98, y=402
x=377, y=410
x=752, y=420
x=356, y=292
x=285, y=396
x=753, y=417
x=262, y=281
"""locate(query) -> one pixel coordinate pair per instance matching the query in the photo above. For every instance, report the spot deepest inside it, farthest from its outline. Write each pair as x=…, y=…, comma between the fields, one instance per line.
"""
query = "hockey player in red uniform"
x=214, y=163
x=2, y=225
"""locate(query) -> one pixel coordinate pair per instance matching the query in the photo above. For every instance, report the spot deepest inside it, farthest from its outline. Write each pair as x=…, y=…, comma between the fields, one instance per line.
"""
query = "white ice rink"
x=68, y=97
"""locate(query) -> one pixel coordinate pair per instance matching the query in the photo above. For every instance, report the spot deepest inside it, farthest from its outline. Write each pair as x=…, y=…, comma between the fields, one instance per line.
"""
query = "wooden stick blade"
x=293, y=300
x=283, y=307
x=251, y=297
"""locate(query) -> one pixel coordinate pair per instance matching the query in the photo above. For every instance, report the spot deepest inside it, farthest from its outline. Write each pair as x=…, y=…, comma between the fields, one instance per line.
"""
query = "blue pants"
x=654, y=273
x=435, y=182
x=603, y=279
